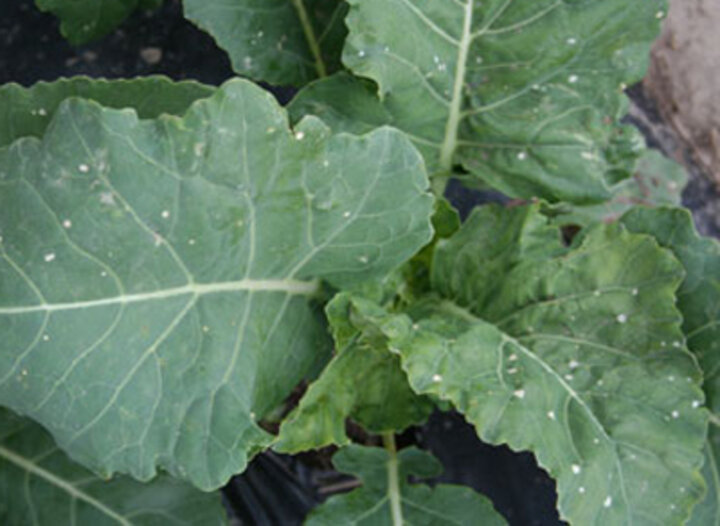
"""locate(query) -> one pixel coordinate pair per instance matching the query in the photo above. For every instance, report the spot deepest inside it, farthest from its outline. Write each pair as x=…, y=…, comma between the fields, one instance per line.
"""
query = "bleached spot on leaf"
x=635, y=292
x=574, y=364
x=572, y=79
x=67, y=223
x=675, y=414
x=46, y=337
x=299, y=135
x=551, y=415
x=622, y=318
x=50, y=256
x=165, y=214
x=571, y=41
x=608, y=502
x=363, y=259
x=581, y=489
x=576, y=469
x=520, y=393
x=437, y=378
x=696, y=404
x=512, y=357
x=107, y=198
x=346, y=214
x=522, y=156
x=83, y=168
x=513, y=370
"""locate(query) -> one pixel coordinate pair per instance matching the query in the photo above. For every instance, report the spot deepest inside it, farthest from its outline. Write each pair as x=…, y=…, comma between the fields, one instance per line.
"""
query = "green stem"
x=393, y=490
x=310, y=37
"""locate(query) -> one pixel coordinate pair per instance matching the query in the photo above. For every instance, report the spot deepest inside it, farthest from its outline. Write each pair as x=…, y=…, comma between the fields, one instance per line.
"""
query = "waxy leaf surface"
x=363, y=381
x=524, y=94
x=699, y=302
x=369, y=505
x=576, y=355
x=155, y=276
x=657, y=181
x=40, y=485
x=285, y=42
x=26, y=112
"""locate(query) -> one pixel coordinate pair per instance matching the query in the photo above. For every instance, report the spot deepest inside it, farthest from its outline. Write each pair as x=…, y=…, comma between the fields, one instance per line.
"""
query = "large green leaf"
x=699, y=302
x=278, y=41
x=524, y=94
x=154, y=275
x=82, y=21
x=384, y=475
x=39, y=485
x=27, y=112
x=578, y=357
x=657, y=181
x=363, y=381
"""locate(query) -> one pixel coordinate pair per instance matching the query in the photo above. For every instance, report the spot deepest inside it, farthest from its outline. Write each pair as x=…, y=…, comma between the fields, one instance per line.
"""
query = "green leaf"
x=345, y=103
x=384, y=475
x=277, y=41
x=699, y=295
x=657, y=181
x=363, y=381
x=699, y=302
x=525, y=95
x=82, y=21
x=707, y=512
x=40, y=485
x=155, y=274
x=578, y=357
x=27, y=112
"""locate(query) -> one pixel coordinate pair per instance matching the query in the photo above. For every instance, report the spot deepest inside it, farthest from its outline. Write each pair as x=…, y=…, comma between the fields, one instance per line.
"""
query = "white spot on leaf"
x=49, y=257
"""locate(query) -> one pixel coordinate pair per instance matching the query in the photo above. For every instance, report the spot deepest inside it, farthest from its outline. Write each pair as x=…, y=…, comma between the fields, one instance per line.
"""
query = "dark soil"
x=278, y=489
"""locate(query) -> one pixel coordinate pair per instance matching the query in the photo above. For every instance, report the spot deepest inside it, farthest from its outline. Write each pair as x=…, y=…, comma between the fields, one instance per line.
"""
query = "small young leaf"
x=155, y=274
x=40, y=485
x=370, y=505
x=82, y=21
x=576, y=356
x=363, y=381
x=525, y=94
x=26, y=112
x=276, y=41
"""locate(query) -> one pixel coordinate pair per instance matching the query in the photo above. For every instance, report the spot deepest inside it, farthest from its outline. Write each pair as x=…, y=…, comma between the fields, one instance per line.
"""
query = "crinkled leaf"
x=82, y=21
x=525, y=95
x=369, y=505
x=578, y=357
x=154, y=275
x=277, y=41
x=40, y=485
x=28, y=111
x=657, y=181
x=699, y=295
x=699, y=302
x=363, y=381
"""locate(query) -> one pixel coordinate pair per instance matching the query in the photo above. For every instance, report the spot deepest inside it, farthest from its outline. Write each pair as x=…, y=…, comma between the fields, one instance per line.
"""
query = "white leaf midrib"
x=289, y=286
x=449, y=145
